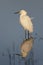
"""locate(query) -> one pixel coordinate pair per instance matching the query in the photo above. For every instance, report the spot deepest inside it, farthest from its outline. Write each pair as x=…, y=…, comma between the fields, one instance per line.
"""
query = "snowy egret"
x=25, y=21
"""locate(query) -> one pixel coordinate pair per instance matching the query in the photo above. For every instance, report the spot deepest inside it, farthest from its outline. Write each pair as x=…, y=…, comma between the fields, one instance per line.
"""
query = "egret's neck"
x=22, y=16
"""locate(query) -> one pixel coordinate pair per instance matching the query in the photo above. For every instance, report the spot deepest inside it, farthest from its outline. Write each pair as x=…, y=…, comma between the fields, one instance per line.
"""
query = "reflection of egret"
x=25, y=21
x=26, y=46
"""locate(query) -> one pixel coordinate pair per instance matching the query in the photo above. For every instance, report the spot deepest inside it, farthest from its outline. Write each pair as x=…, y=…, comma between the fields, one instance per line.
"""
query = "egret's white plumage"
x=25, y=21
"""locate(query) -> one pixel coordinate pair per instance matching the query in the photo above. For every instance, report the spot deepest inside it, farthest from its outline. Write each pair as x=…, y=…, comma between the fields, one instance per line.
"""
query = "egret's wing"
x=29, y=23
x=26, y=23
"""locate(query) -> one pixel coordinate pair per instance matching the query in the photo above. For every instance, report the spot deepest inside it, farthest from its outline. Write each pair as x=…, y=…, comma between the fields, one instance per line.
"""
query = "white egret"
x=25, y=21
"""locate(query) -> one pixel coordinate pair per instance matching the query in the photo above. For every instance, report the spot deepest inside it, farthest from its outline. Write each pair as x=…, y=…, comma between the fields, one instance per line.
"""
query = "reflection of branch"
x=18, y=54
x=9, y=55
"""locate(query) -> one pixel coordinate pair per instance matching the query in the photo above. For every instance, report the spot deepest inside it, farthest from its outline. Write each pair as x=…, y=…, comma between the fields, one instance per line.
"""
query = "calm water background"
x=11, y=31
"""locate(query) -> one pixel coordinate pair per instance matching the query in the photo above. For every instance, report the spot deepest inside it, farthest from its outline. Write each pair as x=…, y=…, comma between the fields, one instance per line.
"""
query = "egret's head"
x=21, y=12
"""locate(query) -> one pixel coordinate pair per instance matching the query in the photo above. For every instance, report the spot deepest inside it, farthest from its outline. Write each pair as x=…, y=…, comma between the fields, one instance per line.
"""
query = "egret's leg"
x=25, y=34
x=28, y=34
